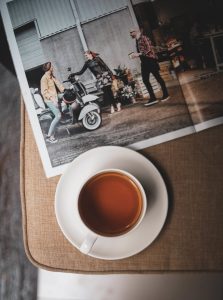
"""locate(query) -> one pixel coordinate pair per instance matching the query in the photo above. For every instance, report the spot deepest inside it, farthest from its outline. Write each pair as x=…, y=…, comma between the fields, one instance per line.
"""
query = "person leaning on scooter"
x=103, y=75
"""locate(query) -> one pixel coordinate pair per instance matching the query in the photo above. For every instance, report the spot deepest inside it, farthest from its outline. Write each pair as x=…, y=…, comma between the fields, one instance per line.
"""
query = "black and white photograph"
x=128, y=73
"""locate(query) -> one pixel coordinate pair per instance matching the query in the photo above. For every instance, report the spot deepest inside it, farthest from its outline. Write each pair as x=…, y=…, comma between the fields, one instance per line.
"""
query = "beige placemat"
x=192, y=237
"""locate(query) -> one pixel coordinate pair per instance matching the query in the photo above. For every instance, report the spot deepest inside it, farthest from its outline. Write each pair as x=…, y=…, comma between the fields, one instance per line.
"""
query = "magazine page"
x=95, y=73
x=195, y=42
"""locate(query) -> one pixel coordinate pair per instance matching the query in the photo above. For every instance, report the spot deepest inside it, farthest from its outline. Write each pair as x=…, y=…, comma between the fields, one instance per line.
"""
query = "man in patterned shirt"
x=149, y=64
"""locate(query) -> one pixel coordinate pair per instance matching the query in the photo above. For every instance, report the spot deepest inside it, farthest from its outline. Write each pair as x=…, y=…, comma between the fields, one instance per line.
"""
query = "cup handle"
x=88, y=243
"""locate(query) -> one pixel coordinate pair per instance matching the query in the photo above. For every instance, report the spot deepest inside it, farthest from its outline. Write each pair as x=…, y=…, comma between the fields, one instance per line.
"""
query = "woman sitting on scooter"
x=52, y=91
x=103, y=75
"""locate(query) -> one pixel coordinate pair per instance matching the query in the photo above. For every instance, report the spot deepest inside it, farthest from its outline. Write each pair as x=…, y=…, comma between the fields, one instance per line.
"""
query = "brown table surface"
x=192, y=237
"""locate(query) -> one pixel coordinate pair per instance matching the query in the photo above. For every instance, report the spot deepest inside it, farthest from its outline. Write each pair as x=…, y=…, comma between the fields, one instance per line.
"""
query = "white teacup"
x=110, y=203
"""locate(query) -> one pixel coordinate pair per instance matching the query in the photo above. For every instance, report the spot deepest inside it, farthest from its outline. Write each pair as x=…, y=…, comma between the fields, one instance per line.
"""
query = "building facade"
x=61, y=30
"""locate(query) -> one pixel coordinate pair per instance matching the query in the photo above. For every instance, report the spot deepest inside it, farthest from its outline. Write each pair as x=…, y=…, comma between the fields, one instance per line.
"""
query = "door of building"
x=29, y=46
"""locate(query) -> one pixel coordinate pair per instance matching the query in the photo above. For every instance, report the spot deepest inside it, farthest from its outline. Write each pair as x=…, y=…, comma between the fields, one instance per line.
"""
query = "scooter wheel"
x=91, y=120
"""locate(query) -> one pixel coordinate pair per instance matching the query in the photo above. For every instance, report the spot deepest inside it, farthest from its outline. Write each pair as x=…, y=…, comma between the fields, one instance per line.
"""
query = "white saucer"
x=117, y=158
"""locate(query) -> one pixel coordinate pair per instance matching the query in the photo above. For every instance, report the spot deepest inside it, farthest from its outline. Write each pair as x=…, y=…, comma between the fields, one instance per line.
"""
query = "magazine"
x=126, y=73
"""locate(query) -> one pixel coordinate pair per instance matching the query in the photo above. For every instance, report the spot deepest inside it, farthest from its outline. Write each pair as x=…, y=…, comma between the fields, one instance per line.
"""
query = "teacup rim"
x=142, y=191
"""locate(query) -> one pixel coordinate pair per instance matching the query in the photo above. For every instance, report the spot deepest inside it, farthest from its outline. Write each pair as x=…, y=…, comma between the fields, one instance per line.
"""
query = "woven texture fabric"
x=192, y=237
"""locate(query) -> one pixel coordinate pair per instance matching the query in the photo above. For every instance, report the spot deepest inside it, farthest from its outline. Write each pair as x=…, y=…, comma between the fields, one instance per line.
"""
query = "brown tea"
x=110, y=203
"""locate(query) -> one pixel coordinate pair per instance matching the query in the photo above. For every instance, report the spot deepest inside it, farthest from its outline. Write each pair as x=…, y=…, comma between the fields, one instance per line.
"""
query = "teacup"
x=111, y=203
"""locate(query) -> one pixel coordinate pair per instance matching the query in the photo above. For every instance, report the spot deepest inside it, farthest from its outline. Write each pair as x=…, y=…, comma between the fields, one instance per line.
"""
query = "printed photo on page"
x=119, y=72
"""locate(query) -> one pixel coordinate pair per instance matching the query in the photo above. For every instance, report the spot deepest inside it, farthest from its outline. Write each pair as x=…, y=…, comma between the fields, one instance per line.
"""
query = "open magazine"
x=119, y=72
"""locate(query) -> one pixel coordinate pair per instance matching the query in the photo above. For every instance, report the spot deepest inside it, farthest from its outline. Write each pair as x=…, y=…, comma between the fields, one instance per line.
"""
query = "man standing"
x=149, y=64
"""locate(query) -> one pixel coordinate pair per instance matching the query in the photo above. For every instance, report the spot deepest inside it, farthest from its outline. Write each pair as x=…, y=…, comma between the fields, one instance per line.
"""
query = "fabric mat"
x=192, y=237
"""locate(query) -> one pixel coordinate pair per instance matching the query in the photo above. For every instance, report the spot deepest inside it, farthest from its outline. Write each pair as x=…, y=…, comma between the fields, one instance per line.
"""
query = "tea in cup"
x=111, y=203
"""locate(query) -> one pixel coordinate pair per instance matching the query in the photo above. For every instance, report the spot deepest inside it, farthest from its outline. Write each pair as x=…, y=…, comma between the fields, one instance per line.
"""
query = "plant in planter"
x=121, y=73
x=127, y=91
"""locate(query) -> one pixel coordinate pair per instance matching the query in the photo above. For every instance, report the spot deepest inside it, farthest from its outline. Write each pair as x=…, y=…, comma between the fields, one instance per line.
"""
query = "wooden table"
x=212, y=37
